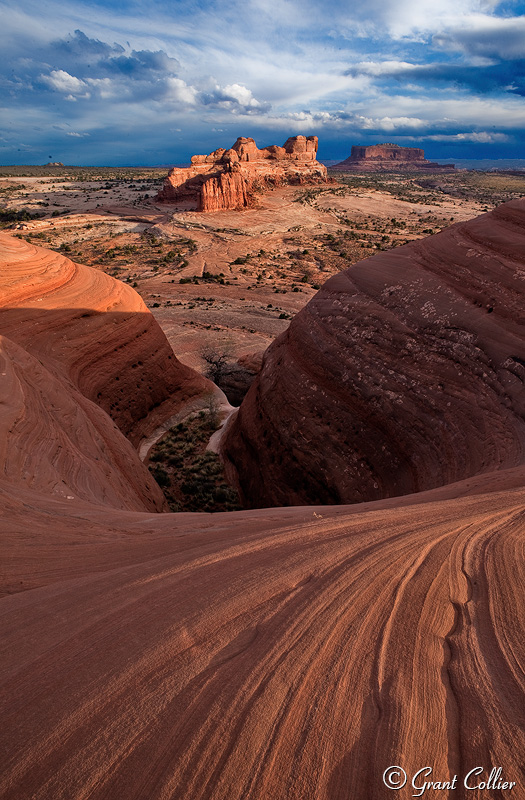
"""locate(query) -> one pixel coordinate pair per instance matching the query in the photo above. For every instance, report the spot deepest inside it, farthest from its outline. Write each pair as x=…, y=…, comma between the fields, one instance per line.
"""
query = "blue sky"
x=153, y=82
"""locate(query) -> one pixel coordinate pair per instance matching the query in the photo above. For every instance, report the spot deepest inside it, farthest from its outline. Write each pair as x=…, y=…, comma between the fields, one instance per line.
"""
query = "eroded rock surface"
x=231, y=179
x=76, y=344
x=388, y=157
x=404, y=373
x=269, y=654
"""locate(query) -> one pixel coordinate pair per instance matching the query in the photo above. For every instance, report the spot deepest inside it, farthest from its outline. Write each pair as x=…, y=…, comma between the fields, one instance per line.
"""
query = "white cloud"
x=63, y=82
x=179, y=92
x=105, y=87
x=240, y=94
x=481, y=137
x=390, y=124
x=379, y=68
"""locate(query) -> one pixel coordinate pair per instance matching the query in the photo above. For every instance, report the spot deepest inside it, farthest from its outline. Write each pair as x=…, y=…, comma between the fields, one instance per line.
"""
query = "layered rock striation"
x=78, y=336
x=275, y=653
x=388, y=158
x=231, y=179
x=404, y=373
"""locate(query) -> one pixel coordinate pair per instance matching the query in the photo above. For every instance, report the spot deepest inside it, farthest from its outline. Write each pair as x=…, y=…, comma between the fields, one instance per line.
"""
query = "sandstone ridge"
x=78, y=336
x=231, y=179
x=388, y=158
x=403, y=373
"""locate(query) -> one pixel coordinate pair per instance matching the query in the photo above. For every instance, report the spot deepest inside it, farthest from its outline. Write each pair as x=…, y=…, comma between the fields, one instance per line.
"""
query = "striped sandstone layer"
x=403, y=373
x=275, y=654
x=78, y=336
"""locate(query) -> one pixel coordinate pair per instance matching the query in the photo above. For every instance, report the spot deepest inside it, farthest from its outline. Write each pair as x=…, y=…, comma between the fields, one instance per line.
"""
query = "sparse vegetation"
x=8, y=216
x=167, y=259
x=191, y=477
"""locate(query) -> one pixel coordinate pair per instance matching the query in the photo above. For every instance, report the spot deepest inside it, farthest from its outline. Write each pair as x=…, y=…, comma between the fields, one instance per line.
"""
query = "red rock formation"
x=405, y=372
x=270, y=655
x=97, y=348
x=388, y=157
x=226, y=190
x=230, y=179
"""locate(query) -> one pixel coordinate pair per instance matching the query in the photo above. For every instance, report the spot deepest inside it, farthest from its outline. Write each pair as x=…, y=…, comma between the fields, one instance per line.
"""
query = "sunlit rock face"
x=274, y=653
x=231, y=179
x=403, y=373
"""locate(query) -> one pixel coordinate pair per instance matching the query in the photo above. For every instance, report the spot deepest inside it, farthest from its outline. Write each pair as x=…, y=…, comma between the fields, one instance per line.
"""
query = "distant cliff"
x=388, y=158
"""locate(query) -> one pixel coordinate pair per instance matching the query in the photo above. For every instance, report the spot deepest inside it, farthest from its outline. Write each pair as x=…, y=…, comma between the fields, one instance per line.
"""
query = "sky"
x=152, y=82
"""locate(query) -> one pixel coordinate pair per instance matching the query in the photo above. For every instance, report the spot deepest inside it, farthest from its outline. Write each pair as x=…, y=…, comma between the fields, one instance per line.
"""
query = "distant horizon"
x=94, y=81
x=489, y=163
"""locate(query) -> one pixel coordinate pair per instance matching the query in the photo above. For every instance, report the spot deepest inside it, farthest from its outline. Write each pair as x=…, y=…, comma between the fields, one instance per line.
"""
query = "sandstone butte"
x=273, y=654
x=231, y=179
x=389, y=158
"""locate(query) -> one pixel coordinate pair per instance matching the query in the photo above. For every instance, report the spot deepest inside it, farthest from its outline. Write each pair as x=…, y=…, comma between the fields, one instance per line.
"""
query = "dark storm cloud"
x=84, y=59
x=142, y=62
x=500, y=39
x=80, y=46
x=508, y=76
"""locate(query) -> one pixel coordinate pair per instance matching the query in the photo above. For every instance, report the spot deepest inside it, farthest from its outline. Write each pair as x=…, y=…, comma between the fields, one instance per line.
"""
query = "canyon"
x=288, y=652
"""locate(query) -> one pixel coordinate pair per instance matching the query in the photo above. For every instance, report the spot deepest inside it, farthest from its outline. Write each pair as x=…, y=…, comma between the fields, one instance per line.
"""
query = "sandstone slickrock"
x=231, y=179
x=403, y=373
x=275, y=654
x=388, y=157
x=89, y=342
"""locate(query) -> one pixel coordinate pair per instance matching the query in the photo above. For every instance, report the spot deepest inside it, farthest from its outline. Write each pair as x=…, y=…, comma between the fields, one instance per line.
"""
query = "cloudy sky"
x=145, y=82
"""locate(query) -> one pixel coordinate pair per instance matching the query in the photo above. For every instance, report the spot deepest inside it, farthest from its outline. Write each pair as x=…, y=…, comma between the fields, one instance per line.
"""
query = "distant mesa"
x=231, y=179
x=388, y=158
x=54, y=164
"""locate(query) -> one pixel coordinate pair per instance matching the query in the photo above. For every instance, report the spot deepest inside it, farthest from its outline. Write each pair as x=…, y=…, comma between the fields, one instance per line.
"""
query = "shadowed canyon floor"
x=273, y=654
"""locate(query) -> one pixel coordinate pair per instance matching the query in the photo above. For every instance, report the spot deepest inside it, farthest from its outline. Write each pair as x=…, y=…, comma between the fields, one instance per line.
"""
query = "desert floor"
x=244, y=273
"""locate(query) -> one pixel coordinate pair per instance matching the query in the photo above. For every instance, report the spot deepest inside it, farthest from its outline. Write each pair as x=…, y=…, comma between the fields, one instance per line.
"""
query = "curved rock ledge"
x=75, y=344
x=96, y=332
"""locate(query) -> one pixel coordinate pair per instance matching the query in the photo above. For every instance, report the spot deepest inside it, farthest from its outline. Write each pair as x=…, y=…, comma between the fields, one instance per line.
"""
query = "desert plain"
x=364, y=608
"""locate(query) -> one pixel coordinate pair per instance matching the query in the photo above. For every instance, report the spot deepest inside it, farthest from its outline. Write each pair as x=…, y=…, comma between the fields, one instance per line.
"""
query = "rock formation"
x=278, y=653
x=231, y=179
x=89, y=342
x=388, y=158
x=403, y=373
